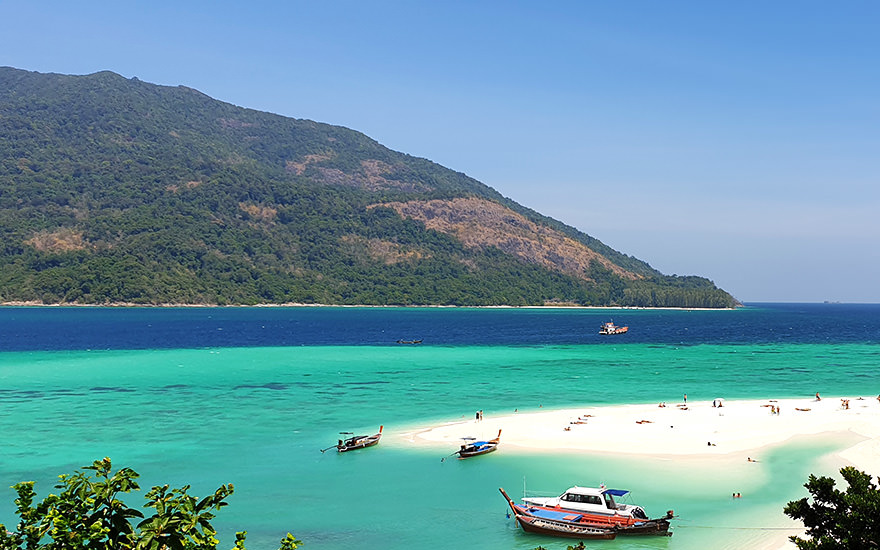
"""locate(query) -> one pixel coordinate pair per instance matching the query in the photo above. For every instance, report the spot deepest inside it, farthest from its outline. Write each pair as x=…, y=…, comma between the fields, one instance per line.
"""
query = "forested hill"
x=113, y=190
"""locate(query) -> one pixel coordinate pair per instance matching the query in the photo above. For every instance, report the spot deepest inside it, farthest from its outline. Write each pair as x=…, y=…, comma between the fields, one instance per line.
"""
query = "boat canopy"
x=554, y=515
x=615, y=492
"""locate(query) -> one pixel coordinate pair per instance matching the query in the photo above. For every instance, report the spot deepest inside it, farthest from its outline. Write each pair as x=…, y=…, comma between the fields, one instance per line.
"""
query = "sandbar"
x=737, y=428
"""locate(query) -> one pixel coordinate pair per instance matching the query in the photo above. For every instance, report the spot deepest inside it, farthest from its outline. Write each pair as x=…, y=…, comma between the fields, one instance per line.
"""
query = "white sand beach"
x=738, y=428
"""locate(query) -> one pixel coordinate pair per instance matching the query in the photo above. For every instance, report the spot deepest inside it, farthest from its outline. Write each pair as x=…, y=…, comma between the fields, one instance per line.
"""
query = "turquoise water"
x=257, y=417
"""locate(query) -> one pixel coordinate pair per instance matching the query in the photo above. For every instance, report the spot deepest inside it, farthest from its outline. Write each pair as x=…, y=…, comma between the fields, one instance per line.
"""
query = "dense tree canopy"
x=839, y=520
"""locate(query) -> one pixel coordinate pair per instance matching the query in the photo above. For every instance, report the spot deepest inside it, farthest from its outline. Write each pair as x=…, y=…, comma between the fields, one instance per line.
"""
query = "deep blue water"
x=82, y=328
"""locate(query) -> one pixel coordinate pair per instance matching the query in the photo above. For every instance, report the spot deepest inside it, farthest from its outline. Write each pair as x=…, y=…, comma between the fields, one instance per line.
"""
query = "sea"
x=251, y=395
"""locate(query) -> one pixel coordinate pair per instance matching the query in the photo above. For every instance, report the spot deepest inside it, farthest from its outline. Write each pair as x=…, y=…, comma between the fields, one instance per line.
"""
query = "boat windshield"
x=609, y=502
x=585, y=499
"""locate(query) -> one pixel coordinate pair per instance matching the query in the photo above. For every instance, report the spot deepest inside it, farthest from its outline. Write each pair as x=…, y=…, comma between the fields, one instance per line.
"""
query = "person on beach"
x=817, y=397
x=685, y=398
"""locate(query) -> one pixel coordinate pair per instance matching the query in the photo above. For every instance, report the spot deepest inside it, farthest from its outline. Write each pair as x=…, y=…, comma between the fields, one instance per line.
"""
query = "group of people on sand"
x=582, y=419
x=844, y=403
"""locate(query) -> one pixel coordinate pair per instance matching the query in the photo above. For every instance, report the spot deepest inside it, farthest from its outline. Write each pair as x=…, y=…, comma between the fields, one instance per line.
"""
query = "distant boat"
x=409, y=341
x=611, y=328
x=477, y=448
x=356, y=442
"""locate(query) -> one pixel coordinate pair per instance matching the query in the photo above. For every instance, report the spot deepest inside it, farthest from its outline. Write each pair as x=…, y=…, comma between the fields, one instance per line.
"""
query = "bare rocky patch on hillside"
x=64, y=239
x=479, y=223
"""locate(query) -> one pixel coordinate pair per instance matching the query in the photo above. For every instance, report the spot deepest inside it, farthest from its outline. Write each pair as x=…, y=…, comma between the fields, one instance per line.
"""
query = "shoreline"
x=27, y=303
x=739, y=429
x=299, y=305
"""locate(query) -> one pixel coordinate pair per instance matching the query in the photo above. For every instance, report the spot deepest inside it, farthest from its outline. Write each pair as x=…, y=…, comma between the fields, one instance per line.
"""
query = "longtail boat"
x=477, y=448
x=472, y=447
x=557, y=524
x=356, y=442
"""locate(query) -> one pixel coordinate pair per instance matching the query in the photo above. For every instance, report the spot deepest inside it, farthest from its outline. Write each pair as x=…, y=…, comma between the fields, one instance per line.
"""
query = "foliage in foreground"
x=839, y=520
x=88, y=514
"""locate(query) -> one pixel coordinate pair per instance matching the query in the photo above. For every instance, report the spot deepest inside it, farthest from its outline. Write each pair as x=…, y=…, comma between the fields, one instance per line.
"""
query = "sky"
x=738, y=141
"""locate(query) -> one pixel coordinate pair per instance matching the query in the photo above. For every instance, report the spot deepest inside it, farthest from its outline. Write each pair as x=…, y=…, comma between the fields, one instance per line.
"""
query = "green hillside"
x=119, y=191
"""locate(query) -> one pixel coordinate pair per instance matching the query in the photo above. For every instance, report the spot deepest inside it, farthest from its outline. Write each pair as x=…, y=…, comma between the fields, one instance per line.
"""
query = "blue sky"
x=739, y=141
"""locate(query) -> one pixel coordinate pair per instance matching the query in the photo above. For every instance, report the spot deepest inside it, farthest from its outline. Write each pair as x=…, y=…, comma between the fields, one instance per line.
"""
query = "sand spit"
x=695, y=429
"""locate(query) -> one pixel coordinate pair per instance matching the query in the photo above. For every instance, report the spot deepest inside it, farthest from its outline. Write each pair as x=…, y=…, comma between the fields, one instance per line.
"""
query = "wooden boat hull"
x=369, y=443
x=469, y=454
x=650, y=527
x=540, y=526
x=623, y=524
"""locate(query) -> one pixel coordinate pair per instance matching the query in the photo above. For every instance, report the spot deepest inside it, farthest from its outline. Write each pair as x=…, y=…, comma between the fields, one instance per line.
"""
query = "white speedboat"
x=591, y=501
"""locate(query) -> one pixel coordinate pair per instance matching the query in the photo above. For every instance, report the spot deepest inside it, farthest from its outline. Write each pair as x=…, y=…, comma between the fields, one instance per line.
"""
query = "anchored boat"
x=356, y=442
x=557, y=523
x=477, y=448
x=596, y=507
